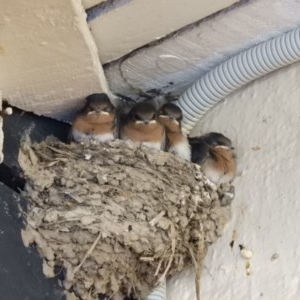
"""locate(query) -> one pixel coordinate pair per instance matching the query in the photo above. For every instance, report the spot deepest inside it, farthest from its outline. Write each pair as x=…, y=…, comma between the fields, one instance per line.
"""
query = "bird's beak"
x=104, y=113
x=163, y=116
x=99, y=112
x=146, y=122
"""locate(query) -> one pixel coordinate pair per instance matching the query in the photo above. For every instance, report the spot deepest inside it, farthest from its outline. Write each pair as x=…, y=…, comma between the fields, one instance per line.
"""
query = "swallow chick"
x=96, y=121
x=177, y=143
x=141, y=125
x=214, y=152
x=200, y=145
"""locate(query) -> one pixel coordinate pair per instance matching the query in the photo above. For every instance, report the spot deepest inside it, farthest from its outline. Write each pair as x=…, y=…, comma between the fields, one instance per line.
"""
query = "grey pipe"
x=235, y=73
x=159, y=293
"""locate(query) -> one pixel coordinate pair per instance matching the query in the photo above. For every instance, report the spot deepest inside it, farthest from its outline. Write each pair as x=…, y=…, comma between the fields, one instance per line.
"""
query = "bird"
x=200, y=145
x=141, y=125
x=170, y=116
x=214, y=152
x=97, y=120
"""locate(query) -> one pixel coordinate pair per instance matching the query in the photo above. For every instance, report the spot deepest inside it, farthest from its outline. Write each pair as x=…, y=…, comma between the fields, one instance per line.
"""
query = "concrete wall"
x=177, y=62
x=263, y=121
x=136, y=23
x=49, y=61
x=48, y=58
x=90, y=3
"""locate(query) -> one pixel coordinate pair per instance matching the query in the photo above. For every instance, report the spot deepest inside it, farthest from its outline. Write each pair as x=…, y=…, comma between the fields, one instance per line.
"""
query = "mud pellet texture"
x=114, y=216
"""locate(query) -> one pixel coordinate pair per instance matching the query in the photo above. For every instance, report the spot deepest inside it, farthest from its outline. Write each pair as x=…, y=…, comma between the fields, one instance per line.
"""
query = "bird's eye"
x=137, y=117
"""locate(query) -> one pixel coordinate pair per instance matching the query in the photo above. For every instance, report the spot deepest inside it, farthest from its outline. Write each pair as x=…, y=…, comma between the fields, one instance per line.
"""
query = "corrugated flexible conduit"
x=159, y=293
x=235, y=73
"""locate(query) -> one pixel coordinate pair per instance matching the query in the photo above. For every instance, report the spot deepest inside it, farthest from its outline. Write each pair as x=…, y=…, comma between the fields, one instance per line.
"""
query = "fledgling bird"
x=214, y=152
x=141, y=125
x=177, y=143
x=96, y=121
x=200, y=145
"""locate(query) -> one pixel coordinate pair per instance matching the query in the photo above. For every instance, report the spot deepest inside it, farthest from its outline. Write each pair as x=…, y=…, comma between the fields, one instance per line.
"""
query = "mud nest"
x=118, y=218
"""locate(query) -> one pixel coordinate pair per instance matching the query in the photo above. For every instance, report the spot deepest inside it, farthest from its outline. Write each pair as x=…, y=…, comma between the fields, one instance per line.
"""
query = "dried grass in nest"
x=117, y=217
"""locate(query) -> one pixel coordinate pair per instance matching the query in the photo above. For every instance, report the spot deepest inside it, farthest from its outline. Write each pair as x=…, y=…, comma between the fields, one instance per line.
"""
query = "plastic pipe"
x=159, y=293
x=235, y=73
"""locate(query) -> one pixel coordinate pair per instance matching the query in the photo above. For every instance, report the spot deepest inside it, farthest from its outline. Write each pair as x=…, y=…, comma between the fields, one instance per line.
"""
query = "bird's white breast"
x=215, y=175
x=79, y=136
x=181, y=149
x=153, y=145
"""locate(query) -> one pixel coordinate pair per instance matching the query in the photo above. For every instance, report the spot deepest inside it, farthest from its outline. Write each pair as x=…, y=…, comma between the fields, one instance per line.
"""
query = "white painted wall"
x=183, y=58
x=49, y=61
x=90, y=3
x=263, y=121
x=48, y=58
x=139, y=22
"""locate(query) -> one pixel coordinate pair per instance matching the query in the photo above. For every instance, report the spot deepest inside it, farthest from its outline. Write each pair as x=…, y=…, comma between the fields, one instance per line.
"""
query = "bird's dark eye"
x=137, y=117
x=106, y=109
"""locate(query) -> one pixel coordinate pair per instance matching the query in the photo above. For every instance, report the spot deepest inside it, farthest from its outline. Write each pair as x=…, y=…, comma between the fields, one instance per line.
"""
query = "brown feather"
x=142, y=132
x=223, y=159
x=94, y=124
x=173, y=131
